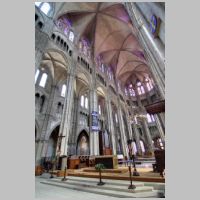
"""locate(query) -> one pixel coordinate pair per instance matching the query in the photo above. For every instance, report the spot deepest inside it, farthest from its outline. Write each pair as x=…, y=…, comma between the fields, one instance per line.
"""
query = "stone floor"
x=43, y=191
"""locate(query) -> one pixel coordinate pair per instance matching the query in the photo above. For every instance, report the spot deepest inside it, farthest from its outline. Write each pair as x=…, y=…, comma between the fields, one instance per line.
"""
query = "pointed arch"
x=82, y=146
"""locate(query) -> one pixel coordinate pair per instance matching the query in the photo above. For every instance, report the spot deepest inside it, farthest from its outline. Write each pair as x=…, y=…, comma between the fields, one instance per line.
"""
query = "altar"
x=109, y=161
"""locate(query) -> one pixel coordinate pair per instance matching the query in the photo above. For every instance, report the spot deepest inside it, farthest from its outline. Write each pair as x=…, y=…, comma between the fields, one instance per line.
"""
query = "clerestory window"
x=43, y=80
x=44, y=7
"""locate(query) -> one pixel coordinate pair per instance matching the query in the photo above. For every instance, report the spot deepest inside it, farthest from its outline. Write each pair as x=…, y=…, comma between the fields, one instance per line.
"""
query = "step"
x=101, y=190
x=96, y=180
x=107, y=186
x=156, y=186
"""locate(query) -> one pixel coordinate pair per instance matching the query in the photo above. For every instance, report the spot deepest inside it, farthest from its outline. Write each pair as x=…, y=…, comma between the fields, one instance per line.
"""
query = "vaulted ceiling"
x=110, y=32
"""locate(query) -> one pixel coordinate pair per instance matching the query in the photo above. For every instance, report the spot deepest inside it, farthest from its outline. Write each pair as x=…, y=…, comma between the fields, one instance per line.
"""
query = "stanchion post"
x=135, y=172
x=52, y=170
x=131, y=186
x=64, y=178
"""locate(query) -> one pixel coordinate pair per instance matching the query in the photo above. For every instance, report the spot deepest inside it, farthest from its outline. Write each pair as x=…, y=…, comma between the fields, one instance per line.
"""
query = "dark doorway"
x=101, y=143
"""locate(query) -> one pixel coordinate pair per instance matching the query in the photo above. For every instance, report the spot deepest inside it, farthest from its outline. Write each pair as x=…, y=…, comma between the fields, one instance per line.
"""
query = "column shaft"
x=66, y=125
x=148, y=137
x=137, y=139
x=94, y=135
x=122, y=132
x=110, y=125
x=160, y=129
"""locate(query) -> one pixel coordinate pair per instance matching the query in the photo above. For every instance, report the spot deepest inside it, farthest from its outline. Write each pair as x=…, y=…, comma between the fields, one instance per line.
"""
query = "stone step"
x=156, y=186
x=96, y=180
x=107, y=186
x=113, y=188
x=100, y=190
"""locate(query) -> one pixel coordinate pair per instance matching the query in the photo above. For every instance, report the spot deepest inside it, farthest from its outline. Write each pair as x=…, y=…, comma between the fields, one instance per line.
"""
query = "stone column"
x=110, y=125
x=72, y=136
x=47, y=121
x=76, y=121
x=148, y=137
x=162, y=119
x=135, y=132
x=66, y=125
x=145, y=125
x=130, y=131
x=137, y=139
x=160, y=129
x=122, y=131
x=38, y=58
x=94, y=135
x=40, y=152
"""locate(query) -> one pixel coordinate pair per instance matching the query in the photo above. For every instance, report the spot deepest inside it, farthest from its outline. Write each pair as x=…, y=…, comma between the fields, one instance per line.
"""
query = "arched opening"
x=53, y=36
x=43, y=80
x=59, y=109
x=44, y=7
x=52, y=144
x=71, y=36
x=63, y=91
x=104, y=143
x=58, y=39
x=37, y=74
x=36, y=17
x=70, y=53
x=40, y=25
x=83, y=144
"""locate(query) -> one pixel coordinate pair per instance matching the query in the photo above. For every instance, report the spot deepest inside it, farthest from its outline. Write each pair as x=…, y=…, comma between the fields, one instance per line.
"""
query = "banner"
x=95, y=126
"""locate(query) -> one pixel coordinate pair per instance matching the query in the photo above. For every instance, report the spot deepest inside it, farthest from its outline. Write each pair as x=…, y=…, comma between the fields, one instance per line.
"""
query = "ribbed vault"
x=109, y=31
